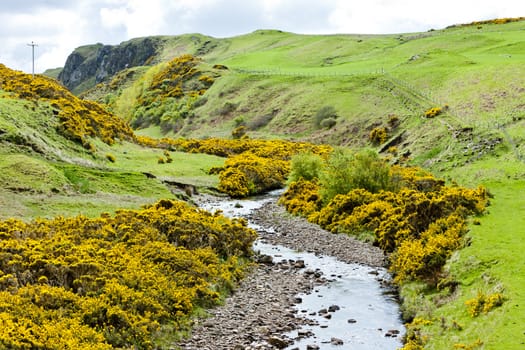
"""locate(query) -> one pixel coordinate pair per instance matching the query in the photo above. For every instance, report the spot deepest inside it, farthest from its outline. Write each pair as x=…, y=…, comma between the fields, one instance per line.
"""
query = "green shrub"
x=239, y=121
x=201, y=101
x=336, y=176
x=307, y=166
x=328, y=123
x=227, y=108
x=111, y=158
x=393, y=121
x=324, y=113
x=344, y=172
x=260, y=121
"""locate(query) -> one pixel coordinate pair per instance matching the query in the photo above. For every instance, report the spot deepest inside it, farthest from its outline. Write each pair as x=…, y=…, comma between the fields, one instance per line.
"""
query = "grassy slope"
x=492, y=263
x=45, y=175
x=476, y=72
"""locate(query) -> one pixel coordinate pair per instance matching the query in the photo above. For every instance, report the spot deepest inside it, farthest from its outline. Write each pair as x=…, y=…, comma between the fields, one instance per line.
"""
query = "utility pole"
x=33, y=52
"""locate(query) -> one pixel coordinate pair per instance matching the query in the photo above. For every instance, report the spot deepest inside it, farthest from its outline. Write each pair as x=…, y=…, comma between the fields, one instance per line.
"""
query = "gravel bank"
x=262, y=307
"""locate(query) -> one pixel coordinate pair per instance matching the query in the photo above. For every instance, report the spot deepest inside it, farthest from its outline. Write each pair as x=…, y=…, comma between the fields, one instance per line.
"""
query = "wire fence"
x=303, y=74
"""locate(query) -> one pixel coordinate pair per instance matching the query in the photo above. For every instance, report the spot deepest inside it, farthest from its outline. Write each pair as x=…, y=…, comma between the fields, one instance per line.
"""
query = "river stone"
x=277, y=342
x=336, y=341
x=265, y=259
x=299, y=264
x=333, y=308
x=392, y=333
x=304, y=333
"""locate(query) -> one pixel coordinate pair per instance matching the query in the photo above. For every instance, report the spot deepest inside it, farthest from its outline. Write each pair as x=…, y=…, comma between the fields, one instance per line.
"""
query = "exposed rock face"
x=90, y=65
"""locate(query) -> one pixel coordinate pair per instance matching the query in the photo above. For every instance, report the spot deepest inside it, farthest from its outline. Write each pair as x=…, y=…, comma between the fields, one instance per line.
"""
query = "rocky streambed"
x=310, y=289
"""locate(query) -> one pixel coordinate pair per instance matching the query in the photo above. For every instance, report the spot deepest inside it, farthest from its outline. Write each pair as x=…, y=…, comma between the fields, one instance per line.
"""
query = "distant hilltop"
x=89, y=65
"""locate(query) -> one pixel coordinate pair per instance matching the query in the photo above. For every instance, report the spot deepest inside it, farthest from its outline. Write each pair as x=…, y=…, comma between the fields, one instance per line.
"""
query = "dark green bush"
x=328, y=123
x=227, y=108
x=201, y=101
x=260, y=121
x=324, y=113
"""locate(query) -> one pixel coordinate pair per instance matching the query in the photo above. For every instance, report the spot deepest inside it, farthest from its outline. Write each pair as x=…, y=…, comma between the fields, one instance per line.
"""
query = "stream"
x=355, y=307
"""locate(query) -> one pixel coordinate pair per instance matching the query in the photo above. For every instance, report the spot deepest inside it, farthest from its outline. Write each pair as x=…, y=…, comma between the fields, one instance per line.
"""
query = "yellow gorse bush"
x=420, y=224
x=302, y=198
x=79, y=119
x=433, y=112
x=252, y=167
x=114, y=281
x=483, y=303
x=378, y=135
x=169, y=97
x=170, y=81
x=249, y=174
x=496, y=21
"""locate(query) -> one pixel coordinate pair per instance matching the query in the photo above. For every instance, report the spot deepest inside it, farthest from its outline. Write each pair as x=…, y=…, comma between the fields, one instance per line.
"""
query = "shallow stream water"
x=365, y=314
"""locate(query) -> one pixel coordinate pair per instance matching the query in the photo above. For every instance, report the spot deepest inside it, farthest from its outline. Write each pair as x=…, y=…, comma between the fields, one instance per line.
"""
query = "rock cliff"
x=92, y=64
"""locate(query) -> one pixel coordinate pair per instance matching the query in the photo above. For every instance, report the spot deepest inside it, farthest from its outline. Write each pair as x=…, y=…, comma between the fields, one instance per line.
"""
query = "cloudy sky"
x=59, y=26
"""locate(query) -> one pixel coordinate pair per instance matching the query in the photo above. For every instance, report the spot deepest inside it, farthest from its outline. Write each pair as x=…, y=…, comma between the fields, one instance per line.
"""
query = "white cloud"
x=58, y=26
x=113, y=17
x=383, y=16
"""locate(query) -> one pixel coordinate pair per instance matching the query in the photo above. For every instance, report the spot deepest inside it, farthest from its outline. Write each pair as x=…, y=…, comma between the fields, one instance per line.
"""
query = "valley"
x=420, y=135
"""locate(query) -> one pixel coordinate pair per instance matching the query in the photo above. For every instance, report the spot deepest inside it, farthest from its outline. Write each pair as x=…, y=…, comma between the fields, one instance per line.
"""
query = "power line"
x=33, y=55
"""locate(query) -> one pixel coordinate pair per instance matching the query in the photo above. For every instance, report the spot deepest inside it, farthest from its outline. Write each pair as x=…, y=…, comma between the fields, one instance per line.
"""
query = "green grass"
x=45, y=175
x=35, y=187
x=22, y=173
x=185, y=167
x=476, y=72
x=32, y=127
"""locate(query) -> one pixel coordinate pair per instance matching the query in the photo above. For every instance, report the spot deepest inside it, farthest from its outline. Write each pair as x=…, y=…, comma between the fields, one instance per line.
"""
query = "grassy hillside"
x=276, y=82
x=51, y=166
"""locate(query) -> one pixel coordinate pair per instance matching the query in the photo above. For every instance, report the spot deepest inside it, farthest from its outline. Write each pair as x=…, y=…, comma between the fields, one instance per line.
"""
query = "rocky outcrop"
x=92, y=64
